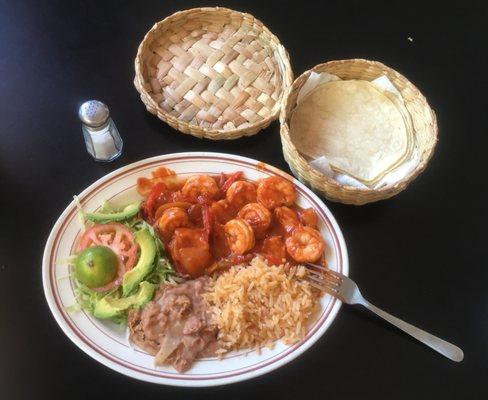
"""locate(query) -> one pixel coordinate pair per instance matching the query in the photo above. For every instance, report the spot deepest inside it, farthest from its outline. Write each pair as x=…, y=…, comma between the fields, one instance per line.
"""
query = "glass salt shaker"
x=102, y=139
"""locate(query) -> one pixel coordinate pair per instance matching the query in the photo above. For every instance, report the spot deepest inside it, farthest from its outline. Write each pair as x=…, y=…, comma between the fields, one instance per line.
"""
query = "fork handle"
x=441, y=346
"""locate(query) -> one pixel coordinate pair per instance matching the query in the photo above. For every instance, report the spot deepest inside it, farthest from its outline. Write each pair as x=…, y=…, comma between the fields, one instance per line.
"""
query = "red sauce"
x=206, y=217
x=260, y=166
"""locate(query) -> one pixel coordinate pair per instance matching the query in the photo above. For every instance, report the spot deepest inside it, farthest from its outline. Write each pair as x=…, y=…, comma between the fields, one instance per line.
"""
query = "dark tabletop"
x=421, y=255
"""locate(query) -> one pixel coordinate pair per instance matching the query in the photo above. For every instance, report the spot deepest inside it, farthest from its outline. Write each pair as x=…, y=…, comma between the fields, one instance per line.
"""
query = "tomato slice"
x=117, y=237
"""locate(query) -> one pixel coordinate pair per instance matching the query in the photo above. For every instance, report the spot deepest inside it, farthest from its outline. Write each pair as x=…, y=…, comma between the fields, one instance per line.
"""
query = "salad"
x=119, y=262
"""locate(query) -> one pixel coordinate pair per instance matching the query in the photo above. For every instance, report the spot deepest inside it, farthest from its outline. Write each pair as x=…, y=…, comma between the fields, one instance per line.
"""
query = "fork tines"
x=323, y=278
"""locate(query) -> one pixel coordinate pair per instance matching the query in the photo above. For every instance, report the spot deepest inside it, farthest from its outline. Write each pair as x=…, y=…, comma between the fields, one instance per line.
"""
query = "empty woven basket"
x=422, y=117
x=212, y=72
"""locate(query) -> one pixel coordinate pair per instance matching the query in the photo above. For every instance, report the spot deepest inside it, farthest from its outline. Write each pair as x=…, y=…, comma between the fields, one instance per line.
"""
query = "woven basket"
x=423, y=121
x=213, y=73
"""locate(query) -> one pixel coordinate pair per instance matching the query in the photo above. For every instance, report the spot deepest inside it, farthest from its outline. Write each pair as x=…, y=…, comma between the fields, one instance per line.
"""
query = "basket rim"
x=211, y=133
x=285, y=130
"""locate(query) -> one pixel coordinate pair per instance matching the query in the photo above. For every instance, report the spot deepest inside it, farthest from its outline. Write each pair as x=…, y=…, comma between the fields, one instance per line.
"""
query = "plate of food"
x=188, y=269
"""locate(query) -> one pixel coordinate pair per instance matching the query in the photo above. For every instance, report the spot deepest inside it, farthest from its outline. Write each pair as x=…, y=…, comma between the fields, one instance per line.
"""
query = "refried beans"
x=175, y=326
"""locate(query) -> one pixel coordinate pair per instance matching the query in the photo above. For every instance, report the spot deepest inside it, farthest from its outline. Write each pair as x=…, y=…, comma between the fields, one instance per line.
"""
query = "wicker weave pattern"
x=423, y=119
x=212, y=72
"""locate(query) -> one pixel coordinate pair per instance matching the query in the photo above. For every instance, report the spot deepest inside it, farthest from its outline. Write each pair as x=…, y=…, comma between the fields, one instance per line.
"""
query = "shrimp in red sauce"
x=190, y=251
x=210, y=223
x=276, y=191
x=240, y=236
x=258, y=216
x=287, y=218
x=241, y=193
x=172, y=218
x=308, y=217
x=305, y=244
x=199, y=187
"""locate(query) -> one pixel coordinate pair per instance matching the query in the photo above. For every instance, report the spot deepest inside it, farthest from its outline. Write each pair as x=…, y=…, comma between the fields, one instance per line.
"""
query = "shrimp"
x=200, y=186
x=275, y=191
x=275, y=247
x=163, y=207
x=190, y=251
x=287, y=218
x=305, y=244
x=308, y=217
x=241, y=193
x=239, y=235
x=172, y=218
x=256, y=215
x=220, y=211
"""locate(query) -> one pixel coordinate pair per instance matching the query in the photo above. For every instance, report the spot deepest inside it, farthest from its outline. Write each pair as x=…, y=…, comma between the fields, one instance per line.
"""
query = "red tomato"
x=156, y=192
x=230, y=180
x=117, y=237
x=195, y=213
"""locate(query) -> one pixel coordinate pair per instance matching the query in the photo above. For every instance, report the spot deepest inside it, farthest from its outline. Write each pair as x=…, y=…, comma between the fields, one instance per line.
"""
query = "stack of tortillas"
x=361, y=128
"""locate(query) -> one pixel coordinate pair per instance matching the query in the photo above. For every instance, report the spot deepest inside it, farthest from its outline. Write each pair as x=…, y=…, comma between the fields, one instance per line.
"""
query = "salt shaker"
x=102, y=139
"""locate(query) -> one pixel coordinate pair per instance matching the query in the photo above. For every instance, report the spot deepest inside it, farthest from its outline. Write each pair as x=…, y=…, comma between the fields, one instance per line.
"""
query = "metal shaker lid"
x=93, y=113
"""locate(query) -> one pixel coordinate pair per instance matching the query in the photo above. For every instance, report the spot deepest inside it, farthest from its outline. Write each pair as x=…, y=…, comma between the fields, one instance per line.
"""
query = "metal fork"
x=346, y=290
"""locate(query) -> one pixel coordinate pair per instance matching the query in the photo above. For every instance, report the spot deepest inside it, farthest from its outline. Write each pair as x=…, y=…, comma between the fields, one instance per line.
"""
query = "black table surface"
x=421, y=255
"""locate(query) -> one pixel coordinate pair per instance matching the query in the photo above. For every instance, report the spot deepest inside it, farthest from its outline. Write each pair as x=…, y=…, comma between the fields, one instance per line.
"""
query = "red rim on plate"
x=77, y=330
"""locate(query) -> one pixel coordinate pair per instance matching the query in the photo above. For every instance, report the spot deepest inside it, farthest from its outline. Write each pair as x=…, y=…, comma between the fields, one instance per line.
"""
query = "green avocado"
x=145, y=263
x=128, y=212
x=109, y=307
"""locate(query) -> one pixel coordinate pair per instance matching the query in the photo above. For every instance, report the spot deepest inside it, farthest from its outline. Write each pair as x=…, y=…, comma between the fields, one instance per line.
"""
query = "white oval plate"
x=108, y=343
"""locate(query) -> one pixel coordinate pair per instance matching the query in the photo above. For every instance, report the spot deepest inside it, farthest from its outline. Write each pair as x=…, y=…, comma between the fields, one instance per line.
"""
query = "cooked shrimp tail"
x=240, y=236
x=305, y=244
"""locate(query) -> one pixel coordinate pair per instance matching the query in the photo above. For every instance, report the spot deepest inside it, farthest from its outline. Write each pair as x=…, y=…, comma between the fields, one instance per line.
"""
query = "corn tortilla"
x=358, y=128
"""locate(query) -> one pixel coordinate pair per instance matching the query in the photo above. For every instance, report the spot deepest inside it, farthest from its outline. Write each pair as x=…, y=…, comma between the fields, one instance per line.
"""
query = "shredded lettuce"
x=87, y=300
x=163, y=272
x=79, y=207
x=67, y=261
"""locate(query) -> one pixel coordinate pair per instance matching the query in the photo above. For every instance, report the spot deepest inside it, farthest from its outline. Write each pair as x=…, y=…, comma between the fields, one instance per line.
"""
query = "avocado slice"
x=145, y=263
x=109, y=307
x=128, y=212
